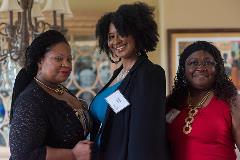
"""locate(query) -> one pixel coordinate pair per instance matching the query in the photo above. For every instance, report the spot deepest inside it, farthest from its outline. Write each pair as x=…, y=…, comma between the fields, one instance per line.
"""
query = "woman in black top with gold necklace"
x=47, y=121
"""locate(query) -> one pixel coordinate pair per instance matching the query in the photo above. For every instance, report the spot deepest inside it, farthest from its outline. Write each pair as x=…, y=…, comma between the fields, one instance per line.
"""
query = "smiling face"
x=200, y=70
x=122, y=46
x=56, y=65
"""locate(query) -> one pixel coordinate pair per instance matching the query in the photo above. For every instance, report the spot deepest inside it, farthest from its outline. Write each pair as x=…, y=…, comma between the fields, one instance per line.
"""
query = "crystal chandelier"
x=27, y=23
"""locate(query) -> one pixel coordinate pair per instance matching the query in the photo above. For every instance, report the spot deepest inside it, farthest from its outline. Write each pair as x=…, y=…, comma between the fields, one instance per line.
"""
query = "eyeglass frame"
x=205, y=63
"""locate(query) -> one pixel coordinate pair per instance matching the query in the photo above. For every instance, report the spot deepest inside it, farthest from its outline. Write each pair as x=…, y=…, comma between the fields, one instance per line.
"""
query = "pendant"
x=187, y=129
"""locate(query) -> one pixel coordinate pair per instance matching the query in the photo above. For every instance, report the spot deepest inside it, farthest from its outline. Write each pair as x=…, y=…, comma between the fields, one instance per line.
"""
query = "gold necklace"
x=59, y=90
x=193, y=110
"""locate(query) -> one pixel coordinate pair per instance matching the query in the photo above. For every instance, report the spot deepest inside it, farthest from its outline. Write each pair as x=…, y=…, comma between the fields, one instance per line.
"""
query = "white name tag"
x=171, y=115
x=117, y=101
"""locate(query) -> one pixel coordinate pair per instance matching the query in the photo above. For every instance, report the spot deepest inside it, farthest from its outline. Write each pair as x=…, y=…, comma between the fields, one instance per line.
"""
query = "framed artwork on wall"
x=226, y=40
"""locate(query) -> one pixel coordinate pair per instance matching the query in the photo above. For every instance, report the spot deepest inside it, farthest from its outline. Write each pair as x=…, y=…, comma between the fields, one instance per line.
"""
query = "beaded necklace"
x=59, y=90
x=193, y=110
x=122, y=74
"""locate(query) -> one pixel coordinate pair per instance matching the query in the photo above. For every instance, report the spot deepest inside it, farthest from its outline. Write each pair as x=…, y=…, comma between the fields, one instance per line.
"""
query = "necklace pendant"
x=187, y=129
x=193, y=110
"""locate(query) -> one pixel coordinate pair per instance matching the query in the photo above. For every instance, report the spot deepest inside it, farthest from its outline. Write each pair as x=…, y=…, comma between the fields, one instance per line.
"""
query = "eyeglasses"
x=58, y=57
x=196, y=63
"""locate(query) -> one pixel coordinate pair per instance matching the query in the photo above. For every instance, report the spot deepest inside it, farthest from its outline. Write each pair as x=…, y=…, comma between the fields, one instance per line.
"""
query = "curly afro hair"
x=223, y=87
x=130, y=19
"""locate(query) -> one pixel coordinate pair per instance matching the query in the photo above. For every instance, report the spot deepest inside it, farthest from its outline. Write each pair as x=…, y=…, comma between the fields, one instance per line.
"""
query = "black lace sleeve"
x=28, y=130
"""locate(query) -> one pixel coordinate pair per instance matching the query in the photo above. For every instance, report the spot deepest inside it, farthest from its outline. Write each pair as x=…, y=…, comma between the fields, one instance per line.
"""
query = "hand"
x=83, y=150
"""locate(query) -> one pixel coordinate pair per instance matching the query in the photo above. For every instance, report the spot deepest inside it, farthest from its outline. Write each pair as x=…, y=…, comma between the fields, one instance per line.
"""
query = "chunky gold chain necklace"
x=60, y=90
x=193, y=110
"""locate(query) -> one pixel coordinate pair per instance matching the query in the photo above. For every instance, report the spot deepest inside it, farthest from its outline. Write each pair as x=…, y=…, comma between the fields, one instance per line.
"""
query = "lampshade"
x=67, y=11
x=36, y=10
x=53, y=5
x=39, y=1
x=10, y=5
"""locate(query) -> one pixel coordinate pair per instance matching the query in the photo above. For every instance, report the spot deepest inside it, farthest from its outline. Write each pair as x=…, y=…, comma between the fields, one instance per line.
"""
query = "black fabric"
x=21, y=82
x=138, y=131
x=40, y=120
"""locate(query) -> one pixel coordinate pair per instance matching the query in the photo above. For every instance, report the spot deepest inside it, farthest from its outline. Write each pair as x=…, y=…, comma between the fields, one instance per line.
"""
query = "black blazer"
x=138, y=131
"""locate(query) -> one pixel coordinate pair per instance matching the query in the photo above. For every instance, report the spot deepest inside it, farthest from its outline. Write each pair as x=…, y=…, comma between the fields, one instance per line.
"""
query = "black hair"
x=135, y=19
x=102, y=32
x=223, y=87
x=34, y=53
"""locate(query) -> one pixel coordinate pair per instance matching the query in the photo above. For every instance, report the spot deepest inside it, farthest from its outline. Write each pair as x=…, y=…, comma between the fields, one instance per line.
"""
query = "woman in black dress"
x=47, y=121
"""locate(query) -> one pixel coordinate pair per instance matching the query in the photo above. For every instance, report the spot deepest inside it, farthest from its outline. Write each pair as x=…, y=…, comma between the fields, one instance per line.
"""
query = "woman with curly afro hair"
x=129, y=112
x=204, y=108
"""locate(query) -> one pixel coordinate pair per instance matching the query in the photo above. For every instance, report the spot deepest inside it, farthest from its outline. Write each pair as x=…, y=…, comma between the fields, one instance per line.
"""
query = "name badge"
x=117, y=101
x=171, y=115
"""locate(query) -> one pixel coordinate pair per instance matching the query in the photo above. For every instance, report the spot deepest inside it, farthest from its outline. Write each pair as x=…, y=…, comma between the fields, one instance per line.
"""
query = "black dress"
x=40, y=120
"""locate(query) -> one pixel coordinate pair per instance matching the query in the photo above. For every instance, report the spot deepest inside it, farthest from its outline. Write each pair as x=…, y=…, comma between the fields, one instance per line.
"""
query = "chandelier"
x=26, y=21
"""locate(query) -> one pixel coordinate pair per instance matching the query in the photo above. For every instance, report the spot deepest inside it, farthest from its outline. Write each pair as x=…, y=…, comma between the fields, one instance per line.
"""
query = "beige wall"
x=170, y=14
x=195, y=14
x=202, y=14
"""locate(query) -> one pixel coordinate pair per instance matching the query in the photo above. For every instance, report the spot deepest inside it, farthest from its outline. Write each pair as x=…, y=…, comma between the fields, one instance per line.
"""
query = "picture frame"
x=226, y=40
